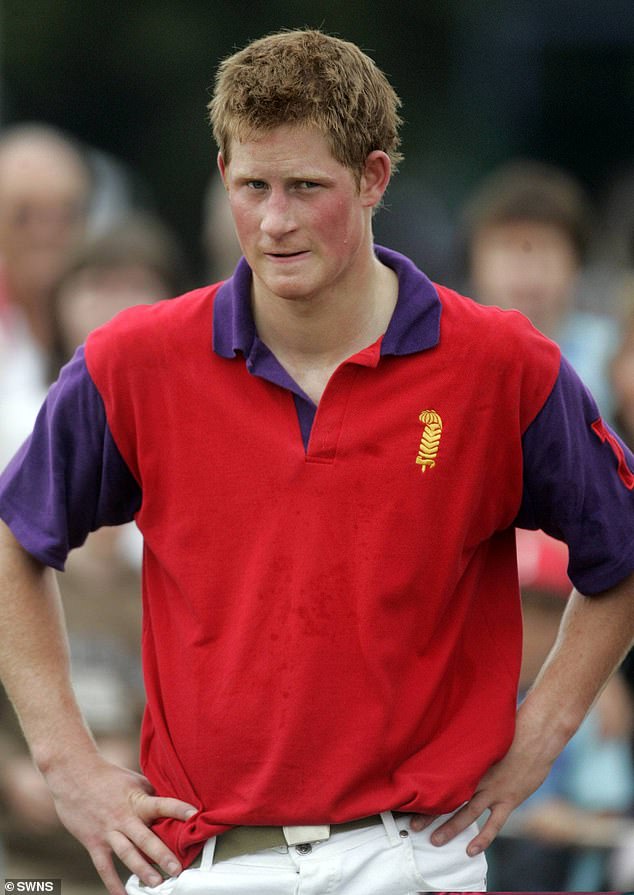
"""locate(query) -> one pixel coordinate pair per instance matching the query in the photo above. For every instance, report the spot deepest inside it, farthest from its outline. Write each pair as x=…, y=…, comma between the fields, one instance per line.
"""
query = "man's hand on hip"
x=502, y=789
x=109, y=810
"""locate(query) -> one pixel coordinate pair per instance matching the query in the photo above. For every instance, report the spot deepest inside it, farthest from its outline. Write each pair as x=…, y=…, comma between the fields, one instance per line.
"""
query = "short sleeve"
x=579, y=486
x=68, y=478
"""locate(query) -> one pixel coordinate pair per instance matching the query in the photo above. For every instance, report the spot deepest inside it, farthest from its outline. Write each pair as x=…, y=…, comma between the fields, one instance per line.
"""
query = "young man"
x=326, y=456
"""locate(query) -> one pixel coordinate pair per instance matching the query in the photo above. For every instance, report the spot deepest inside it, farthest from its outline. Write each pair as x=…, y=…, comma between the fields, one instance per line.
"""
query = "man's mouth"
x=285, y=254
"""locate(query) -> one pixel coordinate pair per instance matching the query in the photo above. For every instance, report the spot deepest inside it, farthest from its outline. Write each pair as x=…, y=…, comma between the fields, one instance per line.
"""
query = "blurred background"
x=517, y=187
x=480, y=80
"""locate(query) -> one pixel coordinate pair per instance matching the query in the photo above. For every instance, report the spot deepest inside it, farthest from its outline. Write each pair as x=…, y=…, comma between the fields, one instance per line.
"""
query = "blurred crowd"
x=76, y=247
x=529, y=238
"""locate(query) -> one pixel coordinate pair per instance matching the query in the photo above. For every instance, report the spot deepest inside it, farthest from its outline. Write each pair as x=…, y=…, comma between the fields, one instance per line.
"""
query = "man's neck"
x=312, y=336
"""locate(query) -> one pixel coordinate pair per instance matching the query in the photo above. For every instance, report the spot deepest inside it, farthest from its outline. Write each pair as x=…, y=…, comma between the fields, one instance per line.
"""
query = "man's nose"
x=278, y=219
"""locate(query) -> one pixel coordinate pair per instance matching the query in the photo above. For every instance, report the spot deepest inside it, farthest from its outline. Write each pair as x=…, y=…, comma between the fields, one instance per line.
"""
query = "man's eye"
x=256, y=184
x=307, y=184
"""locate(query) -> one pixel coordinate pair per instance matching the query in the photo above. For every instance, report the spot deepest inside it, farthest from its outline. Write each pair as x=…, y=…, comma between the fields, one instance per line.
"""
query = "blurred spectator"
x=221, y=248
x=136, y=262
x=560, y=839
x=526, y=229
x=45, y=190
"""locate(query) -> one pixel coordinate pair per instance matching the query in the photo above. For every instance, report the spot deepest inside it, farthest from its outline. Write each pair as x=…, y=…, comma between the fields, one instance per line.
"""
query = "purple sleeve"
x=68, y=478
x=578, y=486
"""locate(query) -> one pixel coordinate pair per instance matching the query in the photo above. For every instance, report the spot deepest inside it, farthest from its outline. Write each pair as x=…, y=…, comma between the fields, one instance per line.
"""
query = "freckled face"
x=303, y=223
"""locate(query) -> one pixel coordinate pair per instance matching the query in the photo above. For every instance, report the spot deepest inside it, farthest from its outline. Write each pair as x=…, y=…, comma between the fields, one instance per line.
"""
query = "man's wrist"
x=67, y=752
x=549, y=726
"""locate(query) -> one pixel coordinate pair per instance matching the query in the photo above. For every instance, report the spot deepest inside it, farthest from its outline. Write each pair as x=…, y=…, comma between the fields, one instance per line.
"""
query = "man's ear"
x=221, y=167
x=375, y=178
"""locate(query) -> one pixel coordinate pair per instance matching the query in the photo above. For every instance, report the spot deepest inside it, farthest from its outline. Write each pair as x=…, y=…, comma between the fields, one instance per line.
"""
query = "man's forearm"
x=109, y=809
x=34, y=659
x=595, y=635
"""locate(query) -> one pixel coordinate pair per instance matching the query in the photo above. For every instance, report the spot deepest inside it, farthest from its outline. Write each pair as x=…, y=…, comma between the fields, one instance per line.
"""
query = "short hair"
x=529, y=190
x=310, y=78
x=136, y=239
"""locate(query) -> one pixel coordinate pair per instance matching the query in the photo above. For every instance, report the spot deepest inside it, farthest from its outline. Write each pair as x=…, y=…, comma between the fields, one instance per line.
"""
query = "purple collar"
x=415, y=323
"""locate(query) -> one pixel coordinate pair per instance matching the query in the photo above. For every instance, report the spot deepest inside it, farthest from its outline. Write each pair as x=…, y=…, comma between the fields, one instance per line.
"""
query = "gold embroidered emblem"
x=430, y=439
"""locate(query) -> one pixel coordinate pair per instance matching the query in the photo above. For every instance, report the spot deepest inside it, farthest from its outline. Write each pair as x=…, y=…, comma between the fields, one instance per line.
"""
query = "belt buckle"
x=300, y=835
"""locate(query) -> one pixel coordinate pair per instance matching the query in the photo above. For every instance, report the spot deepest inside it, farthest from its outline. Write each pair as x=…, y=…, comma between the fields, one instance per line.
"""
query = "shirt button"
x=403, y=834
x=304, y=849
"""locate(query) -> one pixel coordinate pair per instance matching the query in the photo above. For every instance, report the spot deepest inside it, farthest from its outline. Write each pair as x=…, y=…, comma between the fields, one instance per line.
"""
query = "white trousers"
x=386, y=859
